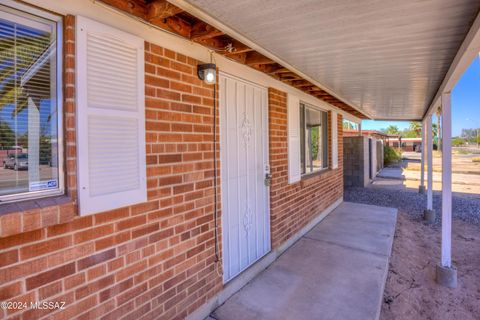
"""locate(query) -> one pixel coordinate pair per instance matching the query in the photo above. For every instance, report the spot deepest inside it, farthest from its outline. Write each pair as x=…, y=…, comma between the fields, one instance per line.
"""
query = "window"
x=350, y=125
x=313, y=139
x=30, y=127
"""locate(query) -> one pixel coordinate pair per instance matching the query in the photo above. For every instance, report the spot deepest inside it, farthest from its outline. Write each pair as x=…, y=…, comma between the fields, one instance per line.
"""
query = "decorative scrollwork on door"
x=248, y=219
x=246, y=129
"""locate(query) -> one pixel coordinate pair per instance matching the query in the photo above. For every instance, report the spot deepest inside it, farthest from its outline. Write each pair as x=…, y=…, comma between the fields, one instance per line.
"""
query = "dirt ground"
x=411, y=291
x=465, y=173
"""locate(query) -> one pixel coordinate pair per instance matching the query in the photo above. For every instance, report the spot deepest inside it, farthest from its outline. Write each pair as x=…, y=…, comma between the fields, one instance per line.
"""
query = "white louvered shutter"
x=334, y=140
x=294, y=161
x=110, y=117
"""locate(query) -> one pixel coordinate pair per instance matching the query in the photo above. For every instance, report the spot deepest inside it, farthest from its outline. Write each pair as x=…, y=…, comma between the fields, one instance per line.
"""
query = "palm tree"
x=434, y=130
x=439, y=128
x=416, y=127
x=391, y=129
x=17, y=55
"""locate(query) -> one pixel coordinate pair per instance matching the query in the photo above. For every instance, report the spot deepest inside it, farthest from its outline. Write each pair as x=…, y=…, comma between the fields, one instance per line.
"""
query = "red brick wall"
x=154, y=259
x=294, y=205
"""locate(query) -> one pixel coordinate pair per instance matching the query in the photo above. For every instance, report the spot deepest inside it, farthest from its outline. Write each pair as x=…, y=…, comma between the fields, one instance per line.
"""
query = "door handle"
x=268, y=179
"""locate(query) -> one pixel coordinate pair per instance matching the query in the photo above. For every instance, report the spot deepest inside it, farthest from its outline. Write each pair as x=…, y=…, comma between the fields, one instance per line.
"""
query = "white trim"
x=429, y=149
x=10, y=13
x=244, y=278
x=422, y=161
x=293, y=139
x=446, y=180
x=334, y=131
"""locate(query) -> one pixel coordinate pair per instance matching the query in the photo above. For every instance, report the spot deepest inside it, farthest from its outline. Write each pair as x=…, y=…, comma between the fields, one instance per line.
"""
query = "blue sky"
x=465, y=104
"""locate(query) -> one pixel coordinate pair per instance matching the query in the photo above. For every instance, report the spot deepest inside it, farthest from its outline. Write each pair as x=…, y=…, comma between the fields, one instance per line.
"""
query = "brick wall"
x=151, y=260
x=294, y=205
x=356, y=159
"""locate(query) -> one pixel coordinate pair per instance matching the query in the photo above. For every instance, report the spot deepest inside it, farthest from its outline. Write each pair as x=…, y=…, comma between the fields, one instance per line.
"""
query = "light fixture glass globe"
x=209, y=76
x=207, y=72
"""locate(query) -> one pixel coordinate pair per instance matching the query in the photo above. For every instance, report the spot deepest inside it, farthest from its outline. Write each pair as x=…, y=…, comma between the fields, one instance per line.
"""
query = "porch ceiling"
x=386, y=57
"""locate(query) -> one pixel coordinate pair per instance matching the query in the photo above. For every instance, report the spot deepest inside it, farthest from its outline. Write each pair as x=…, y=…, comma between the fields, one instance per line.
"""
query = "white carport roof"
x=388, y=58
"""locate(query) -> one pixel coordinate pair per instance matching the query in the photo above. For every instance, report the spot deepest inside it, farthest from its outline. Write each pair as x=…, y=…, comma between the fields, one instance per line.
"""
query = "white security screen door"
x=244, y=166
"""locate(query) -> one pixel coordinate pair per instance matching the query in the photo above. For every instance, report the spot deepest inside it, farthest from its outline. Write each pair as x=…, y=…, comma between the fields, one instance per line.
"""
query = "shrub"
x=391, y=155
x=456, y=142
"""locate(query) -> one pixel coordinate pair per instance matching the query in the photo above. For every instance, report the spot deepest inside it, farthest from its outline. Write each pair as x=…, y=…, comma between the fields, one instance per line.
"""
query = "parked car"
x=16, y=162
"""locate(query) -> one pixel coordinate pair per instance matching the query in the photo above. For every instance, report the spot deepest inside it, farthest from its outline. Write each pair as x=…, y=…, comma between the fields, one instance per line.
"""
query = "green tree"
x=457, y=141
x=16, y=57
x=416, y=128
x=7, y=136
x=391, y=129
x=314, y=132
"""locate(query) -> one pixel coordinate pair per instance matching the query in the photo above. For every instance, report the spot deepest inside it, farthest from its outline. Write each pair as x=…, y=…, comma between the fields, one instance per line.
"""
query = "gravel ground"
x=413, y=203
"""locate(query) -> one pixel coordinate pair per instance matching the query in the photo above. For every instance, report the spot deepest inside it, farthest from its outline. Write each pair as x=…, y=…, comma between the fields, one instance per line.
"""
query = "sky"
x=465, y=104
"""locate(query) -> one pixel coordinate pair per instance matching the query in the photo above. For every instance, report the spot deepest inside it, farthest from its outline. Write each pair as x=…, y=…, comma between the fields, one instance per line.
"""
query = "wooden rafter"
x=255, y=58
x=134, y=7
x=161, y=9
x=238, y=47
x=281, y=70
x=203, y=31
x=301, y=83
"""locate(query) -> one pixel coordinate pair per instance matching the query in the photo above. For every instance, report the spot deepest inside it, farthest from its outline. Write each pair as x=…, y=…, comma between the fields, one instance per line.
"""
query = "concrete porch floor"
x=336, y=271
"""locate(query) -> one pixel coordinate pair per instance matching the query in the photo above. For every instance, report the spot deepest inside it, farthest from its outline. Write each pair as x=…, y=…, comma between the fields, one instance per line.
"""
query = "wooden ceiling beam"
x=288, y=77
x=282, y=70
x=176, y=25
x=134, y=7
x=237, y=47
x=161, y=9
x=301, y=83
x=255, y=58
x=239, y=57
x=216, y=44
x=202, y=31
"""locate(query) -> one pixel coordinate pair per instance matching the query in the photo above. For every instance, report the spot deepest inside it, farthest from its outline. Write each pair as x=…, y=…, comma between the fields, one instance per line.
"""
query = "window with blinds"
x=29, y=105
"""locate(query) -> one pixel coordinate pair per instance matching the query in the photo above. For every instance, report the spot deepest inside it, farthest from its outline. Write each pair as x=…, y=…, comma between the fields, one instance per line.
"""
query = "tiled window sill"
x=29, y=215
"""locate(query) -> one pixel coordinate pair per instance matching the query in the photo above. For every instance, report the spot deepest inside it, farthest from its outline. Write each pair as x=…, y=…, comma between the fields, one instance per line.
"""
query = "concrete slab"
x=391, y=173
x=364, y=227
x=323, y=275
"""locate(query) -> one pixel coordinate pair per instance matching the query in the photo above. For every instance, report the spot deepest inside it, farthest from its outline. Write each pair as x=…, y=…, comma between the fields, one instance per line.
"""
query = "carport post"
x=429, y=214
x=446, y=274
x=421, y=188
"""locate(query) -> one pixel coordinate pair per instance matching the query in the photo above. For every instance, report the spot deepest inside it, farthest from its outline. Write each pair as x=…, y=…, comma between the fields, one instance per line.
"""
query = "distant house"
x=406, y=144
x=367, y=133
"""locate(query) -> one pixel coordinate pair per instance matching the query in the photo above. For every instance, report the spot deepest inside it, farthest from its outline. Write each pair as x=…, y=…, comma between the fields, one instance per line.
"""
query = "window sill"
x=315, y=174
x=308, y=179
x=29, y=215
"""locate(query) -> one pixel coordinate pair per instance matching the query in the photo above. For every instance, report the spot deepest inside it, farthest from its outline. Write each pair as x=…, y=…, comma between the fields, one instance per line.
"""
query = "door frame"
x=266, y=140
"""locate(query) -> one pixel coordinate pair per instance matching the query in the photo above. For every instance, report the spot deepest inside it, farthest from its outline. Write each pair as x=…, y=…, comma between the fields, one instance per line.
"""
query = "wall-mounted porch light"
x=207, y=72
